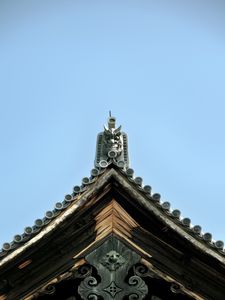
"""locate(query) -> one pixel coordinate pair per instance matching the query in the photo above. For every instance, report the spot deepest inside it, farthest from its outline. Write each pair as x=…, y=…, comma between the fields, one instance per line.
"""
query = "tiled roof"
x=137, y=182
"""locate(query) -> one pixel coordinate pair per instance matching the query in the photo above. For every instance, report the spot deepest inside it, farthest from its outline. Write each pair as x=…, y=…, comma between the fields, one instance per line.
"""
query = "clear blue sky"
x=158, y=65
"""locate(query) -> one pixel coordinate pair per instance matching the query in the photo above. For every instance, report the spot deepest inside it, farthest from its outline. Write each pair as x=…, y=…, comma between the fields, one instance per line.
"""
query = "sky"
x=159, y=66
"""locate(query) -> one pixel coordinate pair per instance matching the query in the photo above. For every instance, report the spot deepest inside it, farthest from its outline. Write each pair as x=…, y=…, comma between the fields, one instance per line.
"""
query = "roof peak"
x=112, y=146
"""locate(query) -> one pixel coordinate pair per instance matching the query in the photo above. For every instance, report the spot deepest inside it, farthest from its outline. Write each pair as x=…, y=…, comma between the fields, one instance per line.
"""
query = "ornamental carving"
x=111, y=146
x=111, y=280
x=112, y=260
x=112, y=271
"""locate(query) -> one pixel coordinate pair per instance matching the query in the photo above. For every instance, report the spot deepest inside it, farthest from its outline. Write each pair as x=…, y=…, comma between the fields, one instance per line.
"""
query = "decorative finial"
x=111, y=146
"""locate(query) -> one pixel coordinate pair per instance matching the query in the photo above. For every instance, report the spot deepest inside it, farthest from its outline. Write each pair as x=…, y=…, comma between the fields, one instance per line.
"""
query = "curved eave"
x=133, y=187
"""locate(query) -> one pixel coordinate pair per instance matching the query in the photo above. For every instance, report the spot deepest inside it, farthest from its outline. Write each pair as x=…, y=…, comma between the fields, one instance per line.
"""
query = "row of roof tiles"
x=175, y=214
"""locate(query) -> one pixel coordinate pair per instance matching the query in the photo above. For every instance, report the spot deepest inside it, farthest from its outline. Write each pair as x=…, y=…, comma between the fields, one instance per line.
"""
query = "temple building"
x=112, y=238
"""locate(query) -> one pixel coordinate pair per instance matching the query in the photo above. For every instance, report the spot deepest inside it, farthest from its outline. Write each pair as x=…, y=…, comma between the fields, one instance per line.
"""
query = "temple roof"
x=112, y=162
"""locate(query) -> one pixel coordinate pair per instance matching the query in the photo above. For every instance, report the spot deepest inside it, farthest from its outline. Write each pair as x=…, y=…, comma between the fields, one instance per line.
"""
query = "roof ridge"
x=165, y=207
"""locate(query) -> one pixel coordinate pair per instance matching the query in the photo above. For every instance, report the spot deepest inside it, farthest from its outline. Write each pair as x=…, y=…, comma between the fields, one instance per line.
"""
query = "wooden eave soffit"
x=114, y=250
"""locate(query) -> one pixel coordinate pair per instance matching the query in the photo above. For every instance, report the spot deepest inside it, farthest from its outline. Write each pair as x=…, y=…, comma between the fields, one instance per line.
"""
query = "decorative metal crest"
x=112, y=261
